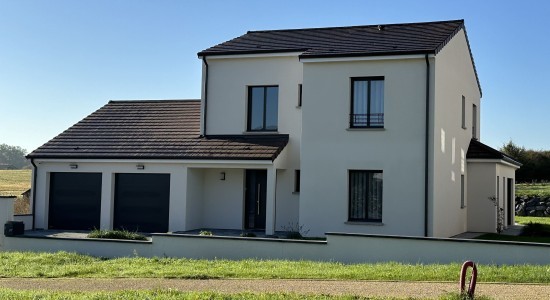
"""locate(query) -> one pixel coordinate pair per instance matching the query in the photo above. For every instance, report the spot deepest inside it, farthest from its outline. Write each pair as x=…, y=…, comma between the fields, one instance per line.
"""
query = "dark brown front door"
x=255, y=194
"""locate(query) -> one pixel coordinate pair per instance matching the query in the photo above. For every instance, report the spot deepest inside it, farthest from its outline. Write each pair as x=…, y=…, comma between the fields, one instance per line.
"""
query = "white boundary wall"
x=340, y=247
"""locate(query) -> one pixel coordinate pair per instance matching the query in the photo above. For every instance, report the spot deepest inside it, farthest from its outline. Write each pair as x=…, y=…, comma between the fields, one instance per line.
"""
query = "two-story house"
x=364, y=129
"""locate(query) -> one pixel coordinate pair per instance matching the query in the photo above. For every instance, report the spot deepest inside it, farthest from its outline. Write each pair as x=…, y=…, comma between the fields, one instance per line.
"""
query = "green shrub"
x=248, y=234
x=536, y=229
x=116, y=234
x=205, y=232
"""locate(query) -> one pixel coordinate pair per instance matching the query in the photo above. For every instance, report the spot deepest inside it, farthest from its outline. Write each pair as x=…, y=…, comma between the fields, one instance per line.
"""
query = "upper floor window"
x=474, y=121
x=365, y=196
x=463, y=112
x=299, y=95
x=263, y=106
x=367, y=102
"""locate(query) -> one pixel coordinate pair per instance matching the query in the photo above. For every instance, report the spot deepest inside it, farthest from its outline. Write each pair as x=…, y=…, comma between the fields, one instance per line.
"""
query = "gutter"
x=34, y=175
x=427, y=144
x=205, y=95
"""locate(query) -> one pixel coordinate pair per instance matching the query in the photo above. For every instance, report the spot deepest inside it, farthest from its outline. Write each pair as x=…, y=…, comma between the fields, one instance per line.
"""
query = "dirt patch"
x=328, y=287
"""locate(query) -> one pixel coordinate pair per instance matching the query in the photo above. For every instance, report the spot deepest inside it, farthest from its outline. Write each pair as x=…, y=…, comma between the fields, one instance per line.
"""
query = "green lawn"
x=62, y=264
x=14, y=182
x=531, y=189
x=526, y=220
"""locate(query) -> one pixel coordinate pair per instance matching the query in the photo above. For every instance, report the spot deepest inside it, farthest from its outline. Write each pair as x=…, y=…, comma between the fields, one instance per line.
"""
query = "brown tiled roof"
x=478, y=150
x=167, y=129
x=367, y=40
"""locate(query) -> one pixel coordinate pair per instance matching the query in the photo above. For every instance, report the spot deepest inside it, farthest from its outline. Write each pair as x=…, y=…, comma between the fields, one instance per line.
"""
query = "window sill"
x=463, y=207
x=295, y=193
x=261, y=132
x=298, y=106
x=366, y=129
x=364, y=223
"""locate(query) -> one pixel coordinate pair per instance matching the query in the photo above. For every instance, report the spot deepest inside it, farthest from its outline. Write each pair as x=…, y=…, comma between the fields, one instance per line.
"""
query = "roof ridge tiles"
x=359, y=26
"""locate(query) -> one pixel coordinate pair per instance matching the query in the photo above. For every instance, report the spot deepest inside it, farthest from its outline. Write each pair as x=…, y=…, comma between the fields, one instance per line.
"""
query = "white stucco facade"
x=323, y=147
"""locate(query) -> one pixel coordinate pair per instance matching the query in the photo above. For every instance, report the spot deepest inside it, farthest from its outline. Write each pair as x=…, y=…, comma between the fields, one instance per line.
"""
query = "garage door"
x=142, y=202
x=75, y=201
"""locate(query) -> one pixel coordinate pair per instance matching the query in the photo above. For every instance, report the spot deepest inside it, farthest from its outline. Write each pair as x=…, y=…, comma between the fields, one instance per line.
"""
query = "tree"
x=536, y=163
x=514, y=151
x=14, y=156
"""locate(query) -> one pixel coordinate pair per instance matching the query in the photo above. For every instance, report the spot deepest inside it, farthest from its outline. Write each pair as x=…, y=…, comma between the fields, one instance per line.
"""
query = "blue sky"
x=62, y=60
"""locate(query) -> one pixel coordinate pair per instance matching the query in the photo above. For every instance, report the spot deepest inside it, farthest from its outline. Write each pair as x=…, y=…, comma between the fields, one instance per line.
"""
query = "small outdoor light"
x=222, y=175
x=73, y=166
x=140, y=167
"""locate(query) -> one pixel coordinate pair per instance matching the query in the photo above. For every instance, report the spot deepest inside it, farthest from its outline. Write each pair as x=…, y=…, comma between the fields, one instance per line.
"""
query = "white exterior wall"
x=481, y=186
x=195, y=187
x=178, y=188
x=228, y=82
x=223, y=200
x=505, y=171
x=329, y=149
x=454, y=78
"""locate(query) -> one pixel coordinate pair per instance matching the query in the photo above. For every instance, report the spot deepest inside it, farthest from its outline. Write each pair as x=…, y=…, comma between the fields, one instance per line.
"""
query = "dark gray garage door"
x=142, y=202
x=75, y=201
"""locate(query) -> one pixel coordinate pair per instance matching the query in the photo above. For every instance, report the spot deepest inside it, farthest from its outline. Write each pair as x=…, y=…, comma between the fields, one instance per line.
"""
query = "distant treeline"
x=536, y=163
x=13, y=157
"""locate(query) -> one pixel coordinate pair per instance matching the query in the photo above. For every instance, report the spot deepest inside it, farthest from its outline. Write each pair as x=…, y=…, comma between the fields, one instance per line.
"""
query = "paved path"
x=329, y=287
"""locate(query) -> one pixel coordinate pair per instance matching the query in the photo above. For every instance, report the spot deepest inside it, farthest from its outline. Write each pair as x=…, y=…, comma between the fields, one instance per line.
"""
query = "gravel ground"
x=329, y=287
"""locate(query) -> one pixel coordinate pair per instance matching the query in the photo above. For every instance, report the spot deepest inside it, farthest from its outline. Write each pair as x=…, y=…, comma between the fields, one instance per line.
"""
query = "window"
x=462, y=192
x=367, y=102
x=365, y=196
x=474, y=121
x=463, y=112
x=263, y=106
x=300, y=95
x=296, y=181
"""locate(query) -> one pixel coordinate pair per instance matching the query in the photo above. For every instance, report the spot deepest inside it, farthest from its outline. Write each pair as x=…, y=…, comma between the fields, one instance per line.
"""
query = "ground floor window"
x=365, y=195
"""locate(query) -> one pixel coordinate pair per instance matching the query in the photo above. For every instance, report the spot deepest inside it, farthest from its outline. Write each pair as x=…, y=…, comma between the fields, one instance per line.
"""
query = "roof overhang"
x=513, y=164
x=307, y=59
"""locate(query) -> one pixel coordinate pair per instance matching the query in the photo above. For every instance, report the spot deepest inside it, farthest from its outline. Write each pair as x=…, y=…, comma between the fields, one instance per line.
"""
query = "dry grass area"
x=14, y=183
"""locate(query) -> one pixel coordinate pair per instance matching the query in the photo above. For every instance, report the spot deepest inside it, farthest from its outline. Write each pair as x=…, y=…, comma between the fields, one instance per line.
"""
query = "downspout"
x=427, y=145
x=34, y=174
x=205, y=95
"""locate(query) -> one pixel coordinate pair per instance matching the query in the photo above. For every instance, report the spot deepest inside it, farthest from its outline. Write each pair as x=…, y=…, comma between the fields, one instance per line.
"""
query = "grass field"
x=531, y=189
x=14, y=182
x=64, y=265
x=526, y=220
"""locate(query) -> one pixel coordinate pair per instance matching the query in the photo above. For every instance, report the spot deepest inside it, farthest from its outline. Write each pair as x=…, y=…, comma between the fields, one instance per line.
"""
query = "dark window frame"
x=474, y=121
x=299, y=95
x=297, y=181
x=352, y=93
x=350, y=219
x=249, y=112
x=462, y=191
x=463, y=112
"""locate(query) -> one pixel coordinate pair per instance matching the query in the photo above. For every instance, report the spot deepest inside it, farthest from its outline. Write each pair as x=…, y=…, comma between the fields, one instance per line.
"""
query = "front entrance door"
x=255, y=194
x=511, y=201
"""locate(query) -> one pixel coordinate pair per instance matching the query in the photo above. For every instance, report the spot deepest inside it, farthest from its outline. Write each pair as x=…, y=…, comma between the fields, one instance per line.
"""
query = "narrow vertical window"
x=296, y=181
x=300, y=95
x=462, y=192
x=463, y=112
x=498, y=189
x=365, y=196
x=263, y=106
x=367, y=102
x=474, y=121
